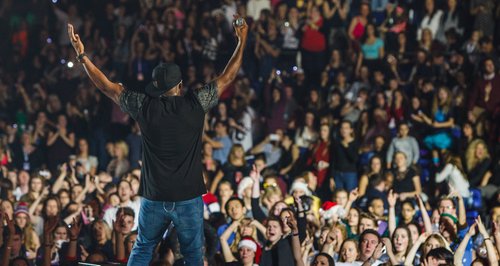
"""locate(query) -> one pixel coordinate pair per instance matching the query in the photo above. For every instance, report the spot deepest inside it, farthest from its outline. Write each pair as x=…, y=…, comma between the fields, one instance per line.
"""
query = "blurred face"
x=309, y=119
x=225, y=191
x=414, y=232
x=114, y=200
x=407, y=212
x=36, y=185
x=345, y=130
x=124, y=191
x=353, y=218
x=246, y=255
x=128, y=223
x=489, y=67
x=349, y=252
x=207, y=149
x=52, y=208
x=99, y=231
x=400, y=160
x=376, y=165
x=298, y=193
x=467, y=130
x=238, y=153
x=22, y=220
x=285, y=216
x=370, y=30
x=76, y=191
x=366, y=223
x=7, y=208
x=442, y=95
x=341, y=198
x=431, y=244
x=64, y=198
x=320, y=260
x=274, y=231
x=368, y=245
x=403, y=130
x=279, y=207
x=401, y=240
x=61, y=121
x=377, y=208
x=23, y=178
x=246, y=230
x=429, y=5
x=325, y=132
x=235, y=210
x=61, y=233
x=83, y=145
x=415, y=103
x=446, y=206
x=364, y=10
x=480, y=151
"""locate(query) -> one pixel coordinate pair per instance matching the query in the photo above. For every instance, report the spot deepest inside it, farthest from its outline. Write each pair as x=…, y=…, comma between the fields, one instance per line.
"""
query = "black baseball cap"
x=167, y=76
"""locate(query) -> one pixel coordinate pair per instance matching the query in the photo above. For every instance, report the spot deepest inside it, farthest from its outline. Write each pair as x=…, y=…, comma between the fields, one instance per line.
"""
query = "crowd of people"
x=356, y=133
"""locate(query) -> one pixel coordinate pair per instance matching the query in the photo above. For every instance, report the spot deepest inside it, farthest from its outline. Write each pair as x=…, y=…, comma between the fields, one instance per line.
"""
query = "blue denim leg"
x=188, y=220
x=350, y=180
x=337, y=177
x=153, y=221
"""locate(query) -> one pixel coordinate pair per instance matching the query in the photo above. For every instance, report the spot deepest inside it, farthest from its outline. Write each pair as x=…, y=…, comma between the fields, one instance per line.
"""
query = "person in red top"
x=313, y=45
x=484, y=100
x=320, y=157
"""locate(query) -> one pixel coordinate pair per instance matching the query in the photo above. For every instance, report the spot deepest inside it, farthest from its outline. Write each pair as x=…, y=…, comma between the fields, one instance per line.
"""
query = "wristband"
x=487, y=239
x=80, y=57
x=73, y=239
x=296, y=234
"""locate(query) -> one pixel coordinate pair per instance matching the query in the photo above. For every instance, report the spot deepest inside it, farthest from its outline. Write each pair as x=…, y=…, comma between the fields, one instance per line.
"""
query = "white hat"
x=299, y=185
x=244, y=184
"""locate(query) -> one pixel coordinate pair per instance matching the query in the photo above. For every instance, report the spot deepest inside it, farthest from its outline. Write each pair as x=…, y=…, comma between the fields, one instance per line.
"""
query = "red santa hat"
x=251, y=244
x=211, y=202
x=329, y=209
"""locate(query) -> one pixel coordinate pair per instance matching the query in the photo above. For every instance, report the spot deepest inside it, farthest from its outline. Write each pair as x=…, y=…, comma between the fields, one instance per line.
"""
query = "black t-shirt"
x=172, y=129
x=234, y=174
x=403, y=181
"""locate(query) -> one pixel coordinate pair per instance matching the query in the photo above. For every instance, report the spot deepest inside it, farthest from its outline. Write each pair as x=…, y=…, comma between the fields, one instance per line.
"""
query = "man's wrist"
x=81, y=56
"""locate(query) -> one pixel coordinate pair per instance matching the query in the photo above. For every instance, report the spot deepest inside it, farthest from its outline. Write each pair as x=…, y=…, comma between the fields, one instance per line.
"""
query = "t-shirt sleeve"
x=207, y=96
x=131, y=102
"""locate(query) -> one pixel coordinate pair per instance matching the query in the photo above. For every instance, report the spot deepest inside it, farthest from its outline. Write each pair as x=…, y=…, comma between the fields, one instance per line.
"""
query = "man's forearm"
x=232, y=67
x=110, y=89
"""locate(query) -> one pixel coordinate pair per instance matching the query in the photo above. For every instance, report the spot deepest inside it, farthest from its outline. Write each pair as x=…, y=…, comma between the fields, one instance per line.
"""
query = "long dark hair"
x=331, y=262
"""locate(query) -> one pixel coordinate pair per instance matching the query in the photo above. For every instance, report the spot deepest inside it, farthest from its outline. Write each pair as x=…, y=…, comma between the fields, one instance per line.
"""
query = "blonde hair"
x=470, y=153
x=123, y=146
x=272, y=191
x=107, y=230
x=232, y=157
x=247, y=222
x=446, y=105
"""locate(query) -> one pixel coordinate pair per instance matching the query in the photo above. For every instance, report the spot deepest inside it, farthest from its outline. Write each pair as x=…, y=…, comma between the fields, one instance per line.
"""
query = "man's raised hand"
x=75, y=40
x=241, y=31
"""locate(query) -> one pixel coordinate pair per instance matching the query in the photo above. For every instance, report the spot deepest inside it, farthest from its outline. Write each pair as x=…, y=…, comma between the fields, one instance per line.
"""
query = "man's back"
x=171, y=130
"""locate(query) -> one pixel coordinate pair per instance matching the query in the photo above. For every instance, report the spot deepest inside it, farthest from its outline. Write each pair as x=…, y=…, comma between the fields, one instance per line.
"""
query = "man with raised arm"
x=172, y=127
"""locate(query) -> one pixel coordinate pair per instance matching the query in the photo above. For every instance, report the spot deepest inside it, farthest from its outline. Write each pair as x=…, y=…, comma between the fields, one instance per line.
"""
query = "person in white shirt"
x=125, y=193
x=454, y=174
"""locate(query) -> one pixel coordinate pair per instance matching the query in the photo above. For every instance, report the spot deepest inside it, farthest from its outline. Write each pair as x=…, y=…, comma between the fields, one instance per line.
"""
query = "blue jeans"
x=154, y=219
x=345, y=180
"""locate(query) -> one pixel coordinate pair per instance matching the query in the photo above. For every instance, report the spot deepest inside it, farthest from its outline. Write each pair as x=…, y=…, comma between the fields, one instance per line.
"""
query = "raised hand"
x=75, y=227
x=353, y=196
x=391, y=198
x=75, y=40
x=241, y=31
x=481, y=228
x=119, y=222
x=292, y=223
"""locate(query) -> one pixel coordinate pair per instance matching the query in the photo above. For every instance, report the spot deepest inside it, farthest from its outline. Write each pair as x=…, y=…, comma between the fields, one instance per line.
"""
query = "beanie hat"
x=22, y=207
